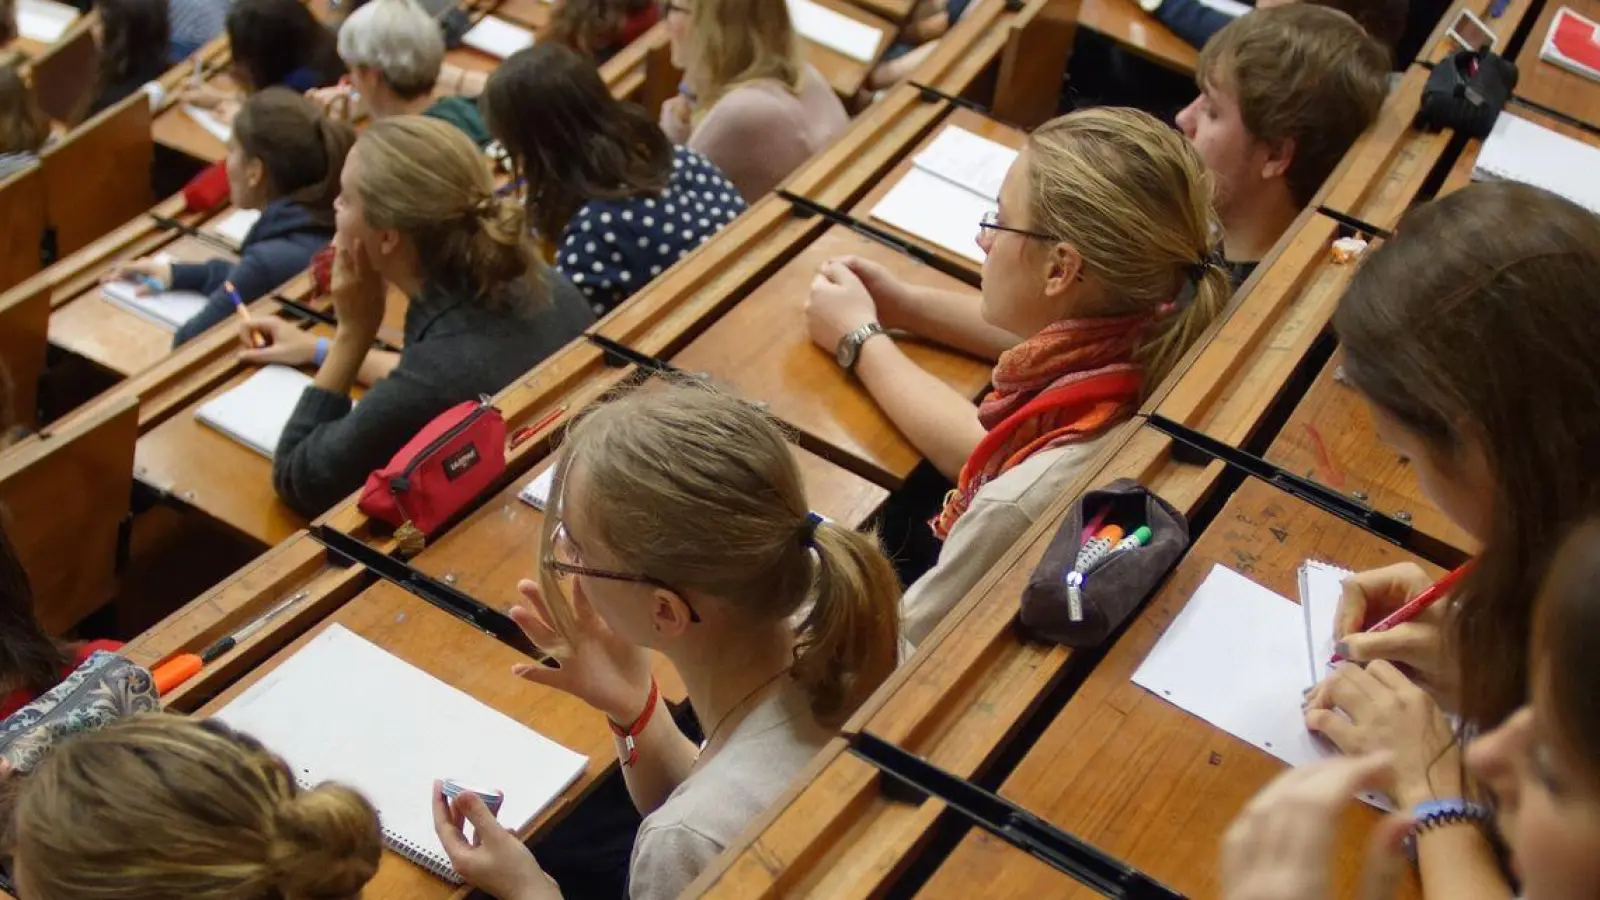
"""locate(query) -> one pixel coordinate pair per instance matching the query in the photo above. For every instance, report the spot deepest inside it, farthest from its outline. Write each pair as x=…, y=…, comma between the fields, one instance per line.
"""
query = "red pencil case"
x=449, y=463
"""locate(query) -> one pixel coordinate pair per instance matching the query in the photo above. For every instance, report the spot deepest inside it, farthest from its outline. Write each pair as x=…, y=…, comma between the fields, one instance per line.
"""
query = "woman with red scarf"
x=1099, y=275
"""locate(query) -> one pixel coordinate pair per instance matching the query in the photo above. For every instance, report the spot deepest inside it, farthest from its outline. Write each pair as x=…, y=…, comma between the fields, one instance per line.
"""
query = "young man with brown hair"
x=1284, y=93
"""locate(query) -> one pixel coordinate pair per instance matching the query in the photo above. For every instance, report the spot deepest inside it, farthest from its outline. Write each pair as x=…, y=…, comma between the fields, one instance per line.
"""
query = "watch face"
x=845, y=353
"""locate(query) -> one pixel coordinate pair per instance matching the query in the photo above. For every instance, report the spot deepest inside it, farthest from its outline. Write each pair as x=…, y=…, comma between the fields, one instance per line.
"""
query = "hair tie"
x=484, y=208
x=808, y=530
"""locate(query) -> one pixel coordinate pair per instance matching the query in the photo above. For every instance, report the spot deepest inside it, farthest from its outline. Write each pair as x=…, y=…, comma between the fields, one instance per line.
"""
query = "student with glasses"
x=750, y=102
x=1101, y=254
x=678, y=523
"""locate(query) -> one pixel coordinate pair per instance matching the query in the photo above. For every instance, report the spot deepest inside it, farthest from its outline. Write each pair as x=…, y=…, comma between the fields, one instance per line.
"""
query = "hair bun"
x=327, y=844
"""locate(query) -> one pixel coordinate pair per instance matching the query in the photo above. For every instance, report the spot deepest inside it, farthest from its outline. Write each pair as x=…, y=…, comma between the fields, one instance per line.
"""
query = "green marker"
x=1134, y=541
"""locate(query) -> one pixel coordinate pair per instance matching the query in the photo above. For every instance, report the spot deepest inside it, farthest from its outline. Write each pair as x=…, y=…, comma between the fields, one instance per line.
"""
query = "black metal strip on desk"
x=191, y=231
x=623, y=354
x=1085, y=863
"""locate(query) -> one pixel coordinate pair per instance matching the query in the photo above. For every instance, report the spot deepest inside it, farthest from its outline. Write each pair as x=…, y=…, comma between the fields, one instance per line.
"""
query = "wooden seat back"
x=87, y=196
x=24, y=333
x=22, y=209
x=64, y=76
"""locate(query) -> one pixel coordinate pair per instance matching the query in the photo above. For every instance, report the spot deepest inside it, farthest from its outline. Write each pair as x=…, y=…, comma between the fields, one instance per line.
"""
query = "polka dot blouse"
x=611, y=248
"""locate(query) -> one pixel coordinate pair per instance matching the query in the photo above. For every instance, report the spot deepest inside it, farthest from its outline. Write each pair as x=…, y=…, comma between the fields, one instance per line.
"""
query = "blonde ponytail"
x=697, y=489
x=423, y=178
x=167, y=806
x=1132, y=196
x=849, y=639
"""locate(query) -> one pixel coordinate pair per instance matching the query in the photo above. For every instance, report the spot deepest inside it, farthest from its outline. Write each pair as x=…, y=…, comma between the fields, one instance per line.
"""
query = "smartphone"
x=1469, y=32
x=492, y=799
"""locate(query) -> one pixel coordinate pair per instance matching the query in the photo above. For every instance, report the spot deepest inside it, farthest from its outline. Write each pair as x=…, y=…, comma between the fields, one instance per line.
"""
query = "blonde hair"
x=736, y=41
x=700, y=491
x=425, y=179
x=1133, y=198
x=166, y=806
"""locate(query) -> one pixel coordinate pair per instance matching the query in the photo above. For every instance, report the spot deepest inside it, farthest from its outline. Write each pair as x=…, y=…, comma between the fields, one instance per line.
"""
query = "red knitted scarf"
x=1066, y=384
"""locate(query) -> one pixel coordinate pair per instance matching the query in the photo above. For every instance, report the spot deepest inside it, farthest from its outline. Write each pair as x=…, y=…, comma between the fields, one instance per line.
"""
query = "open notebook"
x=835, y=30
x=951, y=185
x=1241, y=657
x=44, y=21
x=536, y=493
x=254, y=412
x=497, y=37
x=342, y=709
x=1520, y=150
x=166, y=309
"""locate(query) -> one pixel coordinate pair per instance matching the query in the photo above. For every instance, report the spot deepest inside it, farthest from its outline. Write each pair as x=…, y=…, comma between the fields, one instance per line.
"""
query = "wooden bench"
x=66, y=491
x=22, y=208
x=86, y=198
x=24, y=322
x=64, y=75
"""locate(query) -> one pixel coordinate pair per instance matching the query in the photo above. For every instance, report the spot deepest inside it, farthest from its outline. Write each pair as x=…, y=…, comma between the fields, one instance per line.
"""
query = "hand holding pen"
x=1394, y=614
x=152, y=275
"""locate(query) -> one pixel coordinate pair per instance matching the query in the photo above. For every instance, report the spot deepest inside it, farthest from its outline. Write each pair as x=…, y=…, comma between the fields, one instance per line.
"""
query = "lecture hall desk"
x=962, y=118
x=1142, y=779
x=762, y=351
x=1550, y=85
x=1130, y=27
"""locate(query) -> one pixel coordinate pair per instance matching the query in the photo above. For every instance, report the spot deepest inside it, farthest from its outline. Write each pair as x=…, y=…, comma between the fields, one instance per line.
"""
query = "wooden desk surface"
x=498, y=545
x=761, y=350
x=173, y=128
x=846, y=74
x=99, y=330
x=1124, y=22
x=1381, y=175
x=215, y=474
x=1437, y=47
x=961, y=117
x=1330, y=439
x=1547, y=83
x=466, y=659
x=1142, y=779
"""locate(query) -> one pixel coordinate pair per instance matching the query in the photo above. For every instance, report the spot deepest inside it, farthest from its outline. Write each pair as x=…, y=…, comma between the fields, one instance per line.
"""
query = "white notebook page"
x=536, y=493
x=44, y=21
x=236, y=225
x=835, y=30
x=343, y=709
x=165, y=309
x=1520, y=150
x=1237, y=657
x=952, y=184
x=255, y=411
x=497, y=37
x=970, y=160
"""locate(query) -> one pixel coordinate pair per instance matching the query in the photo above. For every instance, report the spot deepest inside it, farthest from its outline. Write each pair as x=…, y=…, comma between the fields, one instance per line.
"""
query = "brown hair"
x=570, y=140
x=30, y=658
x=1461, y=328
x=8, y=21
x=23, y=125
x=1302, y=73
x=1385, y=20
x=303, y=151
x=1568, y=617
x=658, y=458
x=736, y=41
x=590, y=27
x=1133, y=198
x=425, y=179
x=167, y=806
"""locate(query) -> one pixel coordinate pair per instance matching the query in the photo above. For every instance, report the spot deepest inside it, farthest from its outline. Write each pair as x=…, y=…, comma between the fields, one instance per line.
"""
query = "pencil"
x=244, y=314
x=1417, y=605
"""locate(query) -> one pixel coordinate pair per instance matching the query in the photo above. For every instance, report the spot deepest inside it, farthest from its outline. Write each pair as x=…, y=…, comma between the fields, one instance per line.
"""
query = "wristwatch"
x=849, y=349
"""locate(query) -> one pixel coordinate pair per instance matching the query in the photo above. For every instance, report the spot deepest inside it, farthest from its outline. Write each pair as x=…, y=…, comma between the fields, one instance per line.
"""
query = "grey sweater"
x=455, y=351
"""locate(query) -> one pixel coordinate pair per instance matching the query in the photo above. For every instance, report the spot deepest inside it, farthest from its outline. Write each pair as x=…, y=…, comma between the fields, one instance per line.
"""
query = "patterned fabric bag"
x=105, y=688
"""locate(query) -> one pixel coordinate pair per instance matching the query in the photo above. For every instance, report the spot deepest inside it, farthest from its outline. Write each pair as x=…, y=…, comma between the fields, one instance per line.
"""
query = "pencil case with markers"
x=1114, y=547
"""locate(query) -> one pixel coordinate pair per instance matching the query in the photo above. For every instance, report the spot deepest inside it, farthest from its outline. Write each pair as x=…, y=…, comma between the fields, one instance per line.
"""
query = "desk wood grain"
x=175, y=129
x=761, y=350
x=1130, y=27
x=99, y=330
x=1383, y=173
x=963, y=118
x=1141, y=778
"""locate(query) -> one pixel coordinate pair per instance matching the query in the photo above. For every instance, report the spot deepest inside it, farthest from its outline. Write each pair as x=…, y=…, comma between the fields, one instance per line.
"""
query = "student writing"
x=1284, y=93
x=779, y=623
x=1438, y=328
x=620, y=203
x=1541, y=766
x=165, y=806
x=417, y=210
x=1105, y=220
x=284, y=159
x=753, y=105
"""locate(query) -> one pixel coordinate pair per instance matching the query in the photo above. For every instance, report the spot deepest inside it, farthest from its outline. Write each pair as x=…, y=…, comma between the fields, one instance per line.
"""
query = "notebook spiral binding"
x=427, y=859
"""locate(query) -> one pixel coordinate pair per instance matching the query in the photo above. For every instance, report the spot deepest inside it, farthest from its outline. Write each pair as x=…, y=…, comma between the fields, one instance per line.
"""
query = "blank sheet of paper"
x=969, y=160
x=497, y=37
x=936, y=210
x=1520, y=150
x=255, y=411
x=835, y=30
x=44, y=21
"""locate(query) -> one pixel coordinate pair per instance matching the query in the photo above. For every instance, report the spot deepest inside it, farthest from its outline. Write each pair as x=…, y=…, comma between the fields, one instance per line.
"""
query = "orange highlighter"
x=185, y=666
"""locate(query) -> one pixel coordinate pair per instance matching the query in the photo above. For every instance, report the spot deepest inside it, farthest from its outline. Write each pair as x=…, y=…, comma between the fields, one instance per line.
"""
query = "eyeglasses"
x=668, y=8
x=565, y=560
x=991, y=222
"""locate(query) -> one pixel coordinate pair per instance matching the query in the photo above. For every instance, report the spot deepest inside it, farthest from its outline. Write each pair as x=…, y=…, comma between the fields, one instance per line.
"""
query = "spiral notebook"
x=255, y=411
x=343, y=709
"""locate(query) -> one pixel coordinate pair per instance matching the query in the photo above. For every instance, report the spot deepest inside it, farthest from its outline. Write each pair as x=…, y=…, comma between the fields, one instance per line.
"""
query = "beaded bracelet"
x=1433, y=814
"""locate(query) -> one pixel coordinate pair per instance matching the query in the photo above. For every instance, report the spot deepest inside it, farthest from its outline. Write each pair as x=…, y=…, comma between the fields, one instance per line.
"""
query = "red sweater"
x=22, y=697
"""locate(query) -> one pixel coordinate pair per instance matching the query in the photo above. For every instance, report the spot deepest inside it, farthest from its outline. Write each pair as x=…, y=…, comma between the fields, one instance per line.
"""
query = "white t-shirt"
x=714, y=804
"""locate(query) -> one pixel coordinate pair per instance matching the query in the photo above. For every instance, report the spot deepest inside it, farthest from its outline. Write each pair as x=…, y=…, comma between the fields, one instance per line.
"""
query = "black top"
x=111, y=95
x=455, y=351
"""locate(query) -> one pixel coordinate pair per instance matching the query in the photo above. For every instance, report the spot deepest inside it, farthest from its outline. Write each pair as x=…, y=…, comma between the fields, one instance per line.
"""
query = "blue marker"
x=148, y=282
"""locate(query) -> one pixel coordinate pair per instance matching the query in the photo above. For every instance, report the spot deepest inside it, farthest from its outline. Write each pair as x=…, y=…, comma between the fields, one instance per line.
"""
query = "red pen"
x=1418, y=604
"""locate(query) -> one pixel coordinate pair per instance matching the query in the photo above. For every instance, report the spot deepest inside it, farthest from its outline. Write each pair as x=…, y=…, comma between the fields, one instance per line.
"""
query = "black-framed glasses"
x=570, y=564
x=991, y=222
